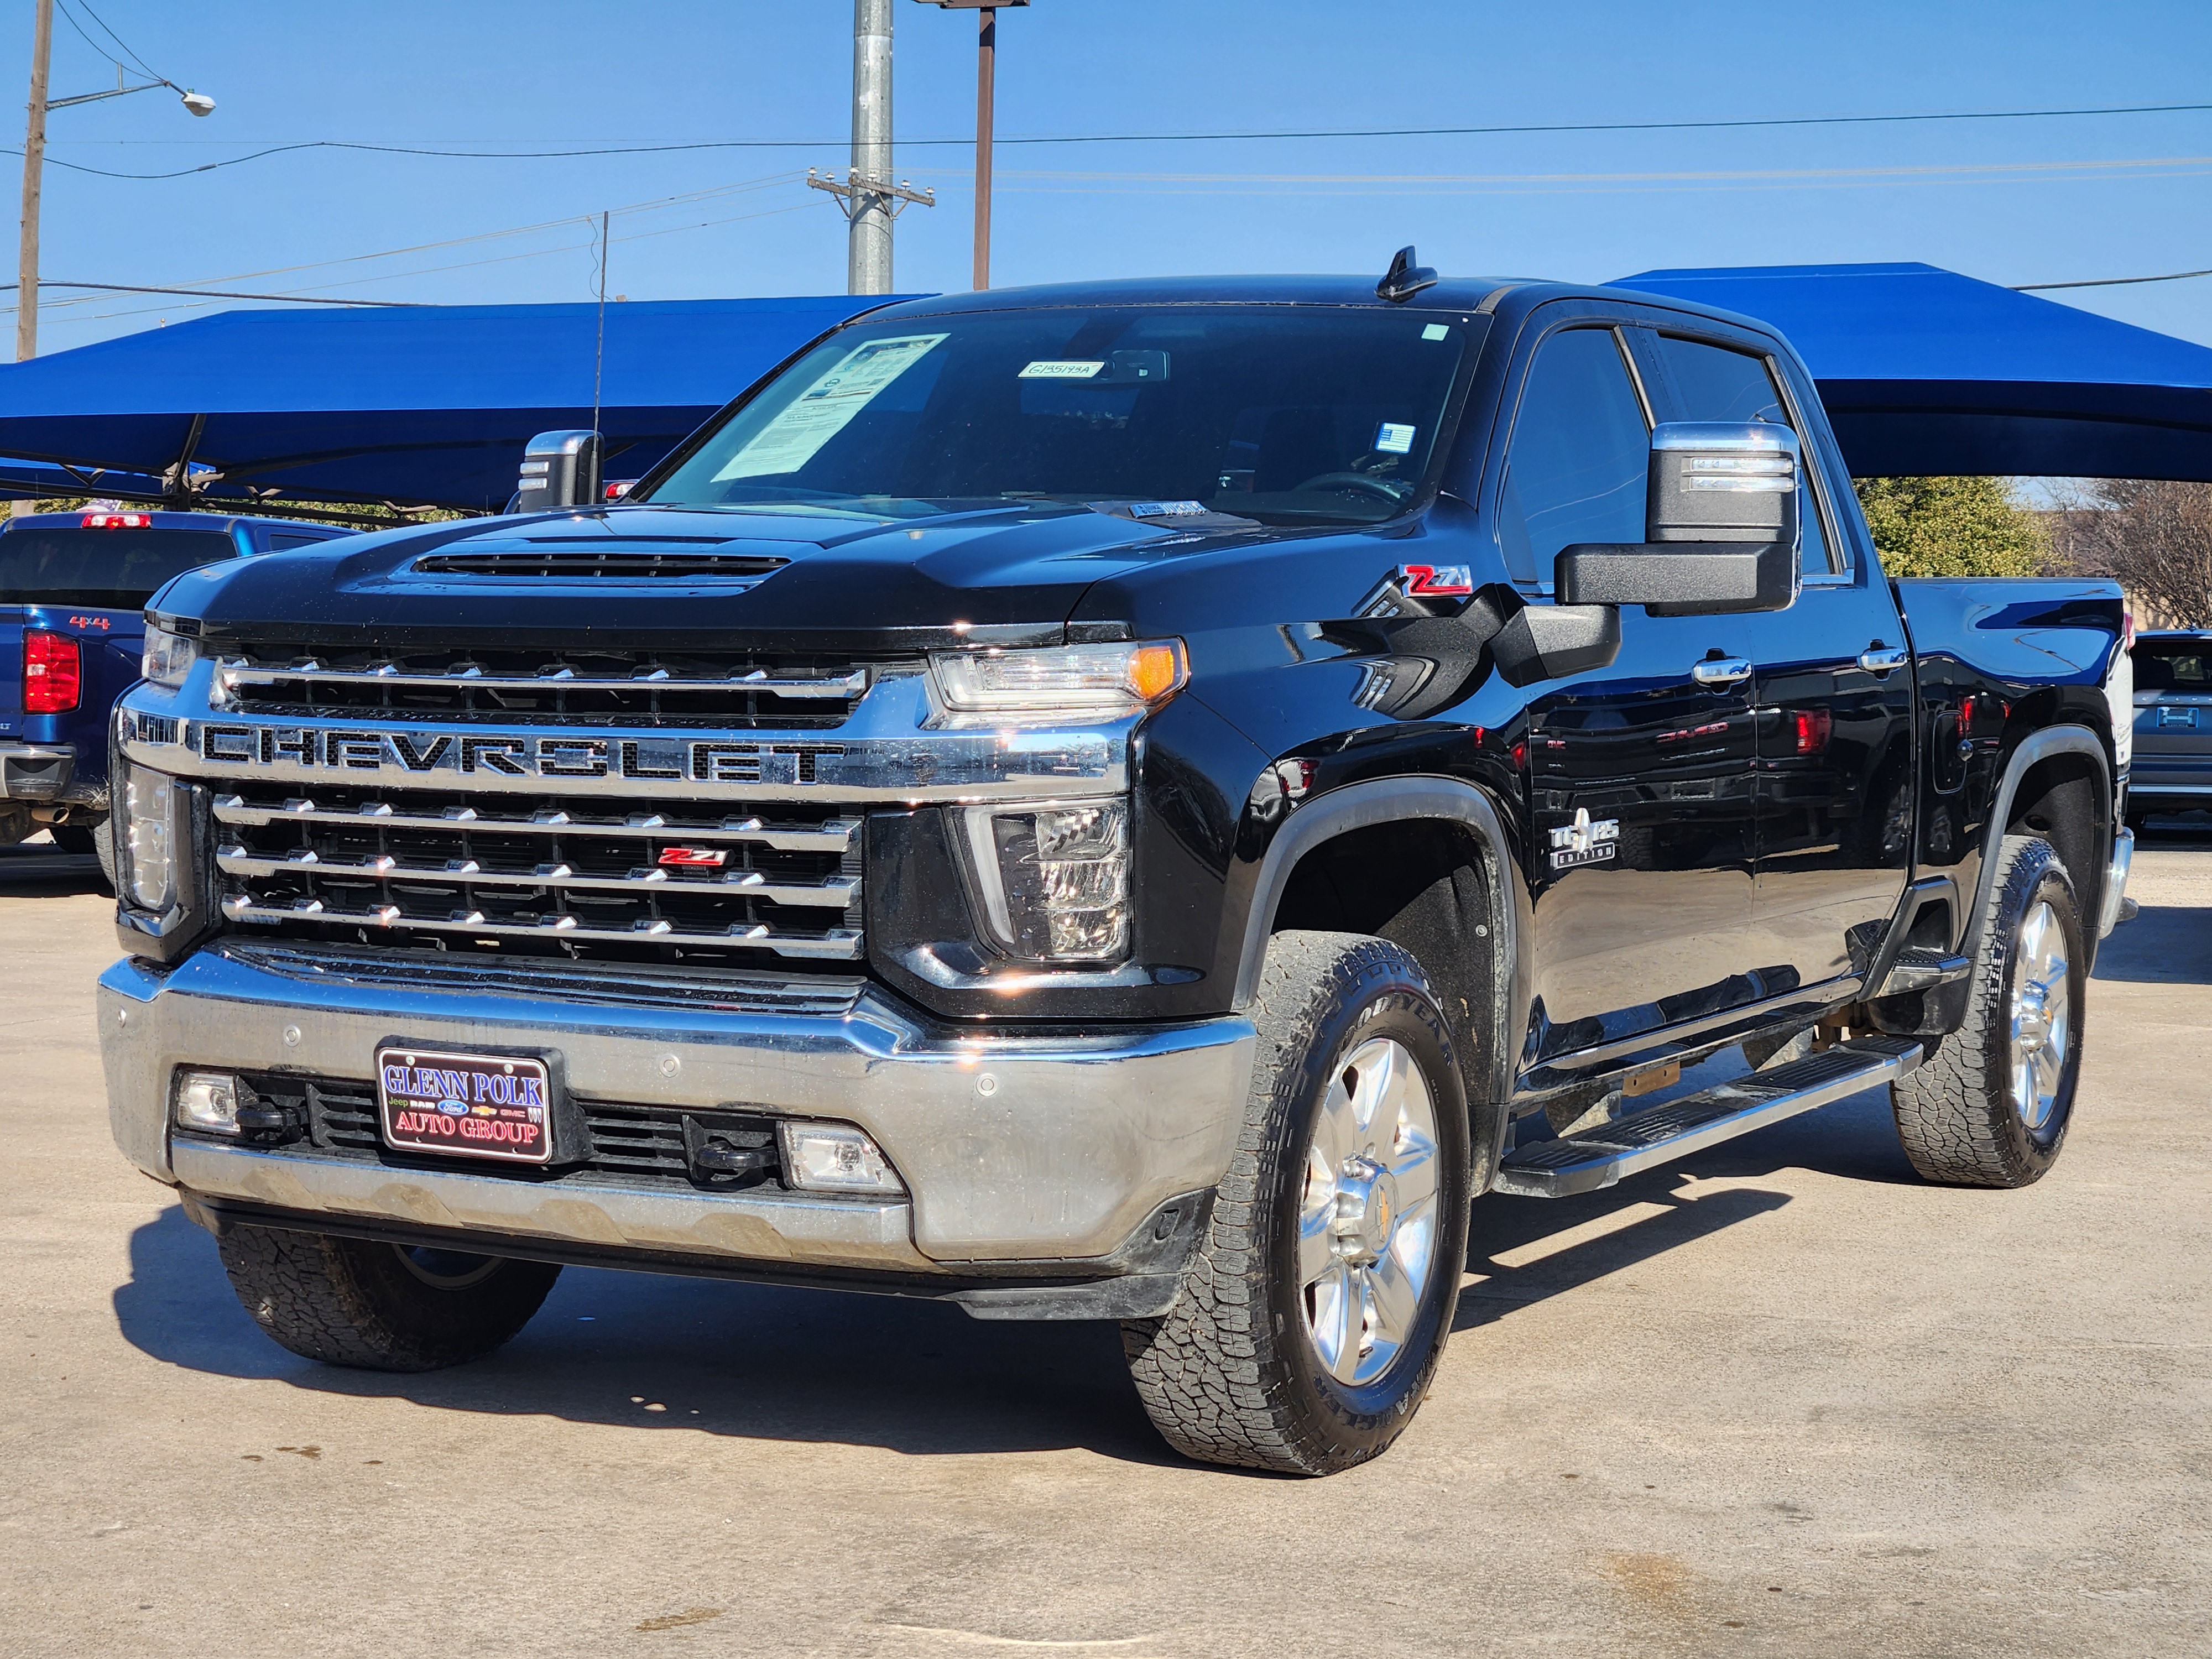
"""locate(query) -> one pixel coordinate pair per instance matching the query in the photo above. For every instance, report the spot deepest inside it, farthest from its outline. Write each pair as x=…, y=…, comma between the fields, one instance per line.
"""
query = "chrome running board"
x=1599, y=1157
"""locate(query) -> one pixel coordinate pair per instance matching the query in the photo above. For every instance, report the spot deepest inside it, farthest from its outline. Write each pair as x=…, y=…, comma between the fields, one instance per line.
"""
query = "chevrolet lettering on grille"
x=352, y=751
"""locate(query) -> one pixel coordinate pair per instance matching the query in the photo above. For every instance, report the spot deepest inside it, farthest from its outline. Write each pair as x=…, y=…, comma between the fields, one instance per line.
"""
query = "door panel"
x=1641, y=778
x=1645, y=758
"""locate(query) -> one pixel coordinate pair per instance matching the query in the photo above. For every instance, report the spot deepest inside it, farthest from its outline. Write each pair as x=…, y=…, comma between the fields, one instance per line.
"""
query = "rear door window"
x=1713, y=383
x=1579, y=463
x=111, y=568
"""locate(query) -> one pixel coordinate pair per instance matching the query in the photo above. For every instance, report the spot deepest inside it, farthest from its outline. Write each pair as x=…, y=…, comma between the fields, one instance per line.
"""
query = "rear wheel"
x=1312, y=1319
x=380, y=1306
x=1989, y=1107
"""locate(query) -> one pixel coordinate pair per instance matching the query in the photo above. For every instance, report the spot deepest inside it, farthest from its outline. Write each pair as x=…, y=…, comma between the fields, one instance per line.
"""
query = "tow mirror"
x=559, y=469
x=1721, y=527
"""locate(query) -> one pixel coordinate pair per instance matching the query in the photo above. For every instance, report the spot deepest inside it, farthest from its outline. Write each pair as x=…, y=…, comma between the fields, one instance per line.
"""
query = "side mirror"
x=559, y=469
x=1721, y=527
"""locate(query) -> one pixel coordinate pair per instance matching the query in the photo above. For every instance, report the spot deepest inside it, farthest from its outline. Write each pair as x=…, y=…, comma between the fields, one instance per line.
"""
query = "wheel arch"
x=1423, y=828
x=2057, y=784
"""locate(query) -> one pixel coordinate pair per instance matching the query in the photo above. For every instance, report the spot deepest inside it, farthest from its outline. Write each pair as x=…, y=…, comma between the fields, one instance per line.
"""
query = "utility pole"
x=868, y=248
x=870, y=199
x=986, y=74
x=34, y=156
x=34, y=162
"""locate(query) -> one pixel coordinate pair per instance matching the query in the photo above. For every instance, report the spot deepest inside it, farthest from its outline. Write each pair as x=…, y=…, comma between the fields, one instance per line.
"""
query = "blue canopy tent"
x=424, y=405
x=1925, y=372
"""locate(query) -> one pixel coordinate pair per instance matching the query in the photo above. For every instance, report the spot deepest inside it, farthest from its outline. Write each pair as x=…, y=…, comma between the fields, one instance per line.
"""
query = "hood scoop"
x=644, y=559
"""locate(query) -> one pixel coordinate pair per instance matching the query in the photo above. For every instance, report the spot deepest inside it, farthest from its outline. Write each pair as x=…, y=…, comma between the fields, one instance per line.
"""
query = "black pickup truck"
x=1133, y=801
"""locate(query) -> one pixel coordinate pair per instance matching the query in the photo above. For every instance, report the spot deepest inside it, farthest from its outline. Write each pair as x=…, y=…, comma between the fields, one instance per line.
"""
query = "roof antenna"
x=1404, y=279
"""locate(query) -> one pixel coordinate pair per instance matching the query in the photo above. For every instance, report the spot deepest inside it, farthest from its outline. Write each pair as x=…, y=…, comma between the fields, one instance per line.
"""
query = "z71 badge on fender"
x=1437, y=581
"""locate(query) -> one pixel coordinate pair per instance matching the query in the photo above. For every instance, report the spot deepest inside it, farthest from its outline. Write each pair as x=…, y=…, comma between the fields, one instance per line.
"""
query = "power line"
x=136, y=60
x=2108, y=281
x=573, y=152
x=210, y=294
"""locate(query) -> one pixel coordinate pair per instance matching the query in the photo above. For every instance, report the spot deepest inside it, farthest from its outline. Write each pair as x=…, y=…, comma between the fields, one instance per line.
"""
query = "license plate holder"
x=503, y=1107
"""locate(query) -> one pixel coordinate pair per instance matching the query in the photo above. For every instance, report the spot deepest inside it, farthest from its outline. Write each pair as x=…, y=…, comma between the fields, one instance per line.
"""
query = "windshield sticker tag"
x=1164, y=509
x=1436, y=332
x=797, y=432
x=1067, y=369
x=1393, y=438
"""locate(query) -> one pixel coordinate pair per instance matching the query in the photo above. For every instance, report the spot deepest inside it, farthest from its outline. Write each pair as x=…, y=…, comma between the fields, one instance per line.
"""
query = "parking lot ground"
x=1781, y=1399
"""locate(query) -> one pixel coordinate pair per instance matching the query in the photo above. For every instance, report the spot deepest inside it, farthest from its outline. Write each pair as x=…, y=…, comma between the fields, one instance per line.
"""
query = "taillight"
x=2127, y=630
x=116, y=520
x=1815, y=726
x=53, y=673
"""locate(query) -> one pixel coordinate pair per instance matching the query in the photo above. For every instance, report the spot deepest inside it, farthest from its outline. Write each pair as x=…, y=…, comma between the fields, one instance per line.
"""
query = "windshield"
x=116, y=569
x=1289, y=414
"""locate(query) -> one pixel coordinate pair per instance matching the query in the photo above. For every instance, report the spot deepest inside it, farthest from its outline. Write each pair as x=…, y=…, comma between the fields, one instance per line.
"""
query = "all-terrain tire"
x=352, y=1301
x=1957, y=1114
x=1232, y=1375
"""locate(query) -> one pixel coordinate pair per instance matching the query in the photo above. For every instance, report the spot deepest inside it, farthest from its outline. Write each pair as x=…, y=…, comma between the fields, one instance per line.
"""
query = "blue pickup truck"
x=72, y=587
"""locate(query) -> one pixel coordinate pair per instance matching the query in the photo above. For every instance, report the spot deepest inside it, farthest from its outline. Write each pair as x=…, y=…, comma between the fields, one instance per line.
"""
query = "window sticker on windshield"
x=818, y=414
x=1062, y=369
x=1436, y=332
x=1164, y=509
x=1393, y=438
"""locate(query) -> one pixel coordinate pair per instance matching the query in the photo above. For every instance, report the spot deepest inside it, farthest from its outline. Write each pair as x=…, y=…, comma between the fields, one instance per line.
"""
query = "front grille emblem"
x=687, y=857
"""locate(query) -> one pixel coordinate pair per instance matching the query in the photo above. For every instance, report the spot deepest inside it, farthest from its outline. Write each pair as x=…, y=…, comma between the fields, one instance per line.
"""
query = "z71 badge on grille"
x=1584, y=842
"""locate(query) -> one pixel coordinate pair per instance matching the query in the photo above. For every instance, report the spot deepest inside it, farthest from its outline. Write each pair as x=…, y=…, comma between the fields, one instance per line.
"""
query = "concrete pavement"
x=1783, y=1400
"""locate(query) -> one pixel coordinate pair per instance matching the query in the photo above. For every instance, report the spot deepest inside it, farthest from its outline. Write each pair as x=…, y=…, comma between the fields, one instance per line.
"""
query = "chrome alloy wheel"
x=1367, y=1219
x=2039, y=1013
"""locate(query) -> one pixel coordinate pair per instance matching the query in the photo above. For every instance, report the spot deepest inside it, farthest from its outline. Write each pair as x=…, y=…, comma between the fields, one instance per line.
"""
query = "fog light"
x=835, y=1157
x=207, y=1101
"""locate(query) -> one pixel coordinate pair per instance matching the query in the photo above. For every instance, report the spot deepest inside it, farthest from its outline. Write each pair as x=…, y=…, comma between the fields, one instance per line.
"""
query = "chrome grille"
x=550, y=875
x=642, y=689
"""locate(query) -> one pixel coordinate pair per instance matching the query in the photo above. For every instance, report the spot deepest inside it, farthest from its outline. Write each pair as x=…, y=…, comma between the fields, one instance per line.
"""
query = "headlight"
x=1052, y=881
x=1062, y=679
x=146, y=838
x=169, y=657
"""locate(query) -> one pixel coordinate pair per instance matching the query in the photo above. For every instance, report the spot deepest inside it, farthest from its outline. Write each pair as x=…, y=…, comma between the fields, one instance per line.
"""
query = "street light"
x=34, y=164
x=987, y=53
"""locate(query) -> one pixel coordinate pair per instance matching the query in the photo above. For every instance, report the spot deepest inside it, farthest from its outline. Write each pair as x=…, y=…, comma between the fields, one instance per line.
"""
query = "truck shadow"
x=39, y=869
x=2164, y=945
x=760, y=1361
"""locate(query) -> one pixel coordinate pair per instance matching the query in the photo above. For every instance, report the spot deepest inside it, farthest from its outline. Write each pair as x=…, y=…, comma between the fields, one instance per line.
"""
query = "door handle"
x=1721, y=671
x=1881, y=659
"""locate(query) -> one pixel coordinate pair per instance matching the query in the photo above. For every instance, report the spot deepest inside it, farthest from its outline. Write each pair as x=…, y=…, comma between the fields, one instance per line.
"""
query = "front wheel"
x=380, y=1306
x=1313, y=1316
x=1989, y=1107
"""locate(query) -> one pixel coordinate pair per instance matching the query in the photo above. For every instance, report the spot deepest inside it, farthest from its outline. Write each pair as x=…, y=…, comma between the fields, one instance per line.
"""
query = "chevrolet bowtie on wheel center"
x=1135, y=801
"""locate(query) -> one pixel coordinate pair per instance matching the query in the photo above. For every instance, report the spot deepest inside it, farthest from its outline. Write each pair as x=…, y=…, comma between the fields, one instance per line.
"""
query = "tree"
x=1953, y=527
x=2152, y=536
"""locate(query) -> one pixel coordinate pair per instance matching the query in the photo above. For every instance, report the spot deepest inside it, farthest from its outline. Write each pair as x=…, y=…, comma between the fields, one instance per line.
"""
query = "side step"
x=1600, y=1155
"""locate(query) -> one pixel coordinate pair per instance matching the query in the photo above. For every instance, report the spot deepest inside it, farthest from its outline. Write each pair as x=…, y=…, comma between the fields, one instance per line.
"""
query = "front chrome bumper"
x=1016, y=1150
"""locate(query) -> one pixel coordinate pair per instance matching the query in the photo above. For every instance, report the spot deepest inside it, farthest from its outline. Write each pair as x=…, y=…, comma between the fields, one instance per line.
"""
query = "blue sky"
x=2009, y=201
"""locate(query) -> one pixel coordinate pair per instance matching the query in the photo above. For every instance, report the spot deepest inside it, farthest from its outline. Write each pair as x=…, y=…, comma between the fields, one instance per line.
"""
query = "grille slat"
x=648, y=690
x=836, y=892
x=830, y=836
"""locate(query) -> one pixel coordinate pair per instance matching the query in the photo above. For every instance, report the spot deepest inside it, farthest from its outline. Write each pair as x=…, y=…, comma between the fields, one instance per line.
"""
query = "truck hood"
x=1004, y=575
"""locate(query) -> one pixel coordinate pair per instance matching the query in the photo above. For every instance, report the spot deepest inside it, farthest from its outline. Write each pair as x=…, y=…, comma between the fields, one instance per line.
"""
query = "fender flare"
x=2033, y=750
x=1393, y=801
